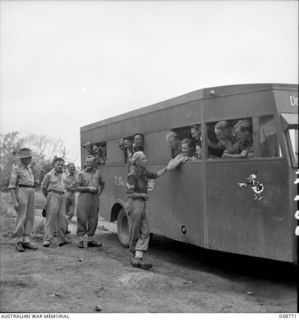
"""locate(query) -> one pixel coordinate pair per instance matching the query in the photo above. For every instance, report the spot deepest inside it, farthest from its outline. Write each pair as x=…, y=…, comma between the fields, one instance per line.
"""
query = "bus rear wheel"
x=123, y=228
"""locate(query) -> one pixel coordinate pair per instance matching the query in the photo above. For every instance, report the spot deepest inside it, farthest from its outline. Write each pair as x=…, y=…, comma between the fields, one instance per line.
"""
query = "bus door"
x=247, y=200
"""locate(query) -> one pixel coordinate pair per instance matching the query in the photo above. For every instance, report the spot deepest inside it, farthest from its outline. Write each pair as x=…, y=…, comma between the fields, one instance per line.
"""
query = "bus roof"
x=206, y=93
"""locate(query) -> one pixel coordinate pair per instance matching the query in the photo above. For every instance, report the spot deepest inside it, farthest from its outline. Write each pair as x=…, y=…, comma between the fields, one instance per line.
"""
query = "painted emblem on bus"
x=256, y=186
x=150, y=186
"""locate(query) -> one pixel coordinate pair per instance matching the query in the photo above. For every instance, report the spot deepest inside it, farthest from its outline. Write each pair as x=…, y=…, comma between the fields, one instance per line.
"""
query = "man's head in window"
x=88, y=147
x=172, y=140
x=138, y=144
x=188, y=147
x=243, y=130
x=128, y=143
x=95, y=150
x=196, y=132
x=223, y=130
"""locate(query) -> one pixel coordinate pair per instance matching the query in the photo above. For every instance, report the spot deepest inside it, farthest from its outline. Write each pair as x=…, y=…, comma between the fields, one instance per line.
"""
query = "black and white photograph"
x=149, y=159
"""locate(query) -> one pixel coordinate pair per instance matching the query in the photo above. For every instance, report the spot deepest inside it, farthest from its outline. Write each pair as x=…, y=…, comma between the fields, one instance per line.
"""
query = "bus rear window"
x=268, y=138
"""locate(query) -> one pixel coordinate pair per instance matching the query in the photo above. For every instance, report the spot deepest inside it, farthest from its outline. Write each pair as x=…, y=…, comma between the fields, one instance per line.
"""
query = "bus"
x=243, y=206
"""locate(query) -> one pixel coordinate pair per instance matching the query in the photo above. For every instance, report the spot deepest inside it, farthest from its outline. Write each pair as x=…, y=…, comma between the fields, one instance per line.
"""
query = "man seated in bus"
x=138, y=142
x=243, y=147
x=96, y=152
x=188, y=154
x=195, y=131
x=128, y=145
x=174, y=143
x=137, y=191
x=88, y=148
x=225, y=135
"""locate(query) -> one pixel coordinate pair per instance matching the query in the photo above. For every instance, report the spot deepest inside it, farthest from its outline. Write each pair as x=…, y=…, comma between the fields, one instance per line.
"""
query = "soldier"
x=22, y=191
x=128, y=145
x=138, y=142
x=90, y=186
x=137, y=185
x=243, y=147
x=196, y=135
x=70, y=183
x=188, y=154
x=174, y=143
x=53, y=189
x=88, y=148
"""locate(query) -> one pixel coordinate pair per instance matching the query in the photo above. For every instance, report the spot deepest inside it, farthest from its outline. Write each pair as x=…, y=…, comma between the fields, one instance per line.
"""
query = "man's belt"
x=91, y=192
x=56, y=191
x=25, y=186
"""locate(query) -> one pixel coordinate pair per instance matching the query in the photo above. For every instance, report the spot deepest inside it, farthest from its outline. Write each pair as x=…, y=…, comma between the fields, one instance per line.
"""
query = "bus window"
x=99, y=152
x=230, y=139
x=190, y=135
x=268, y=139
x=293, y=145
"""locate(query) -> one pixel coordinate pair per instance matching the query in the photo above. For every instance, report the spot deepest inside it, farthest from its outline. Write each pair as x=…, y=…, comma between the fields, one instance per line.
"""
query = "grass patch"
x=7, y=215
x=39, y=228
x=40, y=200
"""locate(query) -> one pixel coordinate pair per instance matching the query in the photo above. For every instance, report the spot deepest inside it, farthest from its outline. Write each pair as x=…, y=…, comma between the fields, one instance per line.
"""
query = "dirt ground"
x=184, y=278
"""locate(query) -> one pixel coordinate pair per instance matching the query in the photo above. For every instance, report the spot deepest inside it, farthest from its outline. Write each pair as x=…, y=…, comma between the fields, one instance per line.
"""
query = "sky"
x=66, y=64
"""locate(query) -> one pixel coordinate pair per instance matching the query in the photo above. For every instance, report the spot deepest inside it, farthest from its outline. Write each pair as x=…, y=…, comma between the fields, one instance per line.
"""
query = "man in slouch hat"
x=22, y=191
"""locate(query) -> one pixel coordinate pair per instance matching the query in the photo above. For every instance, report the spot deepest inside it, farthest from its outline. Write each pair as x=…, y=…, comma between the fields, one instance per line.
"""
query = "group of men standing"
x=59, y=189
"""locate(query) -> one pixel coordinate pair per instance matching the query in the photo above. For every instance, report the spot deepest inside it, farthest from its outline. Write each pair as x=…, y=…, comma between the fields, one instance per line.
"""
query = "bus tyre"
x=123, y=228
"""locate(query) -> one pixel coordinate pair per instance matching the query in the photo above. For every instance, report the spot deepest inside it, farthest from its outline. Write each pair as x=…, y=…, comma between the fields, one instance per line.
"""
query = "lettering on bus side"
x=119, y=181
x=294, y=101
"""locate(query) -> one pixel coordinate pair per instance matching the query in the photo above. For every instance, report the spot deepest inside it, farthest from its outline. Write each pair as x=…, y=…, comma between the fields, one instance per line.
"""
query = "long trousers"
x=69, y=206
x=139, y=230
x=25, y=215
x=56, y=219
x=87, y=214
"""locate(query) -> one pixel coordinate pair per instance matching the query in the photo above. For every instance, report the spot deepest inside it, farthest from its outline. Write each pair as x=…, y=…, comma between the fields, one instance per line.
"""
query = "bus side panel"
x=286, y=100
x=172, y=117
x=239, y=224
x=240, y=106
x=115, y=178
x=176, y=205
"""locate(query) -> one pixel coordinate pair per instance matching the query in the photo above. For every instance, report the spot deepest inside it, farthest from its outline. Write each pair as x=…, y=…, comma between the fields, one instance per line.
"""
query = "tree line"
x=44, y=149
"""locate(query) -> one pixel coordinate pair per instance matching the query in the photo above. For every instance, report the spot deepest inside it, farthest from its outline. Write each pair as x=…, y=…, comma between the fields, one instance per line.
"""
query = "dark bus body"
x=202, y=202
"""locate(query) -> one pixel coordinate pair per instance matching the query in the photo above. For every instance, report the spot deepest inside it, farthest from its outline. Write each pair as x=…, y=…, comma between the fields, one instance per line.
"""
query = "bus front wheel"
x=123, y=228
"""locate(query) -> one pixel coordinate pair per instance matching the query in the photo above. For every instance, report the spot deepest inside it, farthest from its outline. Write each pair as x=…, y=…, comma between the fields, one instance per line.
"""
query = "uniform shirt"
x=176, y=151
x=91, y=178
x=21, y=174
x=174, y=163
x=70, y=180
x=129, y=161
x=240, y=146
x=53, y=181
x=137, y=181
